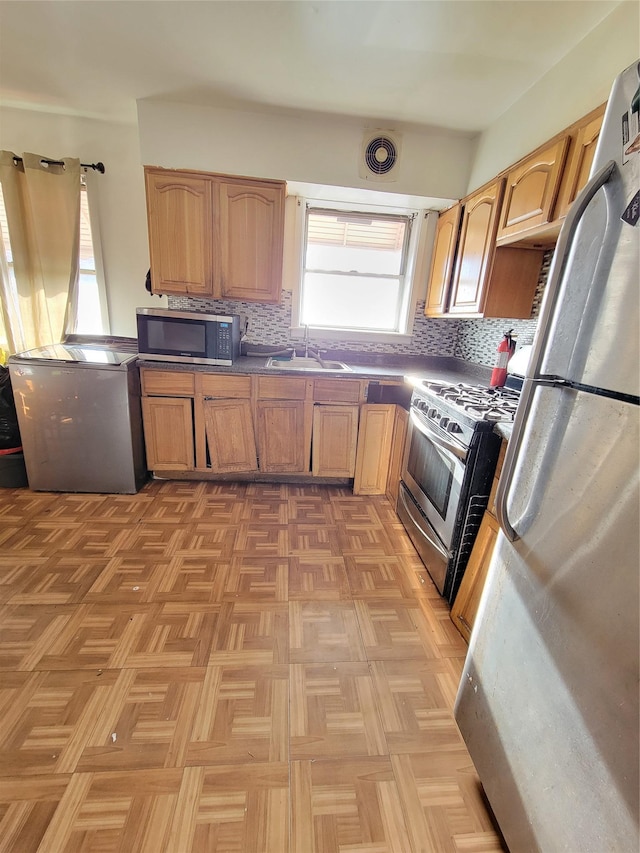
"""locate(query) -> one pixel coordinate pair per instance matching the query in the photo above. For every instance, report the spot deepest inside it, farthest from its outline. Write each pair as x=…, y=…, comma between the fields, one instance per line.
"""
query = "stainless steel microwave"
x=165, y=335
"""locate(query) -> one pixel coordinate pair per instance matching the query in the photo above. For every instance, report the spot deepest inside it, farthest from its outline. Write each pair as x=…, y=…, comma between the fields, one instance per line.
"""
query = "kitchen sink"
x=302, y=363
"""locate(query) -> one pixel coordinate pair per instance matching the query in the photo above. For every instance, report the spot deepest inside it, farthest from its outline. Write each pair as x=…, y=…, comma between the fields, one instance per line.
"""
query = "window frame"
x=88, y=186
x=414, y=247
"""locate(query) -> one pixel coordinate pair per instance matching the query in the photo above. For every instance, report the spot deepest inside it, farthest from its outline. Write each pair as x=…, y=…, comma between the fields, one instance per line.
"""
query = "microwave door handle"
x=451, y=449
x=552, y=290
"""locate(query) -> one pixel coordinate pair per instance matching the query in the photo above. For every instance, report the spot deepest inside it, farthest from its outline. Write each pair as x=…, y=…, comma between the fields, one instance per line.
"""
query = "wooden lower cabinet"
x=374, y=448
x=397, y=452
x=168, y=432
x=465, y=606
x=334, y=442
x=281, y=436
x=226, y=424
x=230, y=436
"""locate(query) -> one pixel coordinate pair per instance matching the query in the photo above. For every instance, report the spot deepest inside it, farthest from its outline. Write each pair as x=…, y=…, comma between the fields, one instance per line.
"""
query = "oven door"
x=433, y=471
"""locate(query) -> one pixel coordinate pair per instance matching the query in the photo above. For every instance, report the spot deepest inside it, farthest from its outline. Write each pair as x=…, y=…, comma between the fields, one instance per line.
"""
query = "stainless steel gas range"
x=449, y=462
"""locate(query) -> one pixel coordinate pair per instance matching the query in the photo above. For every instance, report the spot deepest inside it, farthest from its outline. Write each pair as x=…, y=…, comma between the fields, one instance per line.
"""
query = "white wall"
x=303, y=148
x=575, y=86
x=119, y=197
x=313, y=149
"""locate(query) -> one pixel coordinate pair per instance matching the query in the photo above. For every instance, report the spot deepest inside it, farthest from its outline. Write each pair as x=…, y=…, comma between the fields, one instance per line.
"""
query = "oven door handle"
x=452, y=449
x=421, y=525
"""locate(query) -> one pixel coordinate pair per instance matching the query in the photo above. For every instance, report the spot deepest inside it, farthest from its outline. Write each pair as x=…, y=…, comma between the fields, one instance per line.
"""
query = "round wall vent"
x=381, y=155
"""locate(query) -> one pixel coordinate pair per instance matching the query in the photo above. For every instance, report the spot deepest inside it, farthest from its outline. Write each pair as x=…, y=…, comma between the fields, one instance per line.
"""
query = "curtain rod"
x=99, y=167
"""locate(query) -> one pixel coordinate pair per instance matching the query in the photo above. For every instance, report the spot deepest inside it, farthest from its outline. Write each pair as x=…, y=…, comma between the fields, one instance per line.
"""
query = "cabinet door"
x=465, y=606
x=179, y=214
x=251, y=218
x=581, y=153
x=168, y=433
x=475, y=251
x=397, y=452
x=281, y=436
x=334, y=441
x=491, y=506
x=230, y=435
x=532, y=189
x=374, y=449
x=444, y=250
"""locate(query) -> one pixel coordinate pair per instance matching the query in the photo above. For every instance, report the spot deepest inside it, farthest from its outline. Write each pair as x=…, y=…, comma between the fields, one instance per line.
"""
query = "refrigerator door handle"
x=560, y=258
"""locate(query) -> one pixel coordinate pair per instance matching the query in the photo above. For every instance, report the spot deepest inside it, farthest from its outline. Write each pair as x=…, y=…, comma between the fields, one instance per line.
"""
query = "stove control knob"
x=452, y=426
x=444, y=422
x=432, y=413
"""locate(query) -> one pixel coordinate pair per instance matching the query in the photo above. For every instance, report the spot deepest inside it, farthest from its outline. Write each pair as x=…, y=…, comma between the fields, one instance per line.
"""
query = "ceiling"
x=448, y=63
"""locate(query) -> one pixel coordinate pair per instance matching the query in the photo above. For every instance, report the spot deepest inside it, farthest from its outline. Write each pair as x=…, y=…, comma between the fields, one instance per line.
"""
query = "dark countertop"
x=504, y=430
x=363, y=366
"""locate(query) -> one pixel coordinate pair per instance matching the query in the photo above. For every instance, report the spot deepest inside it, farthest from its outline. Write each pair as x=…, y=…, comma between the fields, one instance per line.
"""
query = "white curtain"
x=42, y=203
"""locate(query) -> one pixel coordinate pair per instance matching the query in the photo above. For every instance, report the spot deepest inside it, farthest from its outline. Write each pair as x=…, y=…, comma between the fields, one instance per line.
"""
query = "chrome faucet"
x=306, y=340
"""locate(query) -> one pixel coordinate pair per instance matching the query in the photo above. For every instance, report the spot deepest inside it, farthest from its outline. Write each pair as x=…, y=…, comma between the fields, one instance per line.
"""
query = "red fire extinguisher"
x=506, y=349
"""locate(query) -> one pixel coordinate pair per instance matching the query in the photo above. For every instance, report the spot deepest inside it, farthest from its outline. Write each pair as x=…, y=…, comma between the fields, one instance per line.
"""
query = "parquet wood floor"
x=242, y=668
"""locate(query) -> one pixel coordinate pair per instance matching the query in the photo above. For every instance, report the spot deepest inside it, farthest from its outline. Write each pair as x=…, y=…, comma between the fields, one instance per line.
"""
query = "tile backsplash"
x=472, y=340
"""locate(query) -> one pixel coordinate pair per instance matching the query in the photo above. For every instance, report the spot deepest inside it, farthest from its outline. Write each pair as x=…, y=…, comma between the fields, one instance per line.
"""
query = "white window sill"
x=346, y=336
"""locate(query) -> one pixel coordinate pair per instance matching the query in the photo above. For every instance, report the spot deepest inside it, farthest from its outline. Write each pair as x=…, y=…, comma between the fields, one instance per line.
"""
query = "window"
x=90, y=308
x=355, y=271
x=89, y=320
x=6, y=258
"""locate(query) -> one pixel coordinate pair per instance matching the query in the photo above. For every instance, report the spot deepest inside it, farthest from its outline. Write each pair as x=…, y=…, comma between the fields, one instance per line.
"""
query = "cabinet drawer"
x=167, y=383
x=337, y=390
x=229, y=387
x=281, y=388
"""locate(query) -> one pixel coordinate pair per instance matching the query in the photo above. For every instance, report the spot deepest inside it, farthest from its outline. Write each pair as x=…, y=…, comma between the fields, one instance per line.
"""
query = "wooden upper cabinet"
x=179, y=216
x=215, y=235
x=532, y=190
x=251, y=238
x=583, y=146
x=476, y=250
x=444, y=248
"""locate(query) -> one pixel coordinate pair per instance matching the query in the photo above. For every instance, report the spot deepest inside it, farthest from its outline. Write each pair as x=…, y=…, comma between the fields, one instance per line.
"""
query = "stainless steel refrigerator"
x=548, y=701
x=80, y=418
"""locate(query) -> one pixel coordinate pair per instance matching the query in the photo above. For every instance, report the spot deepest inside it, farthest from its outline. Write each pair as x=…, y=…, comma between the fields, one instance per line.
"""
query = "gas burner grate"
x=478, y=402
x=494, y=413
